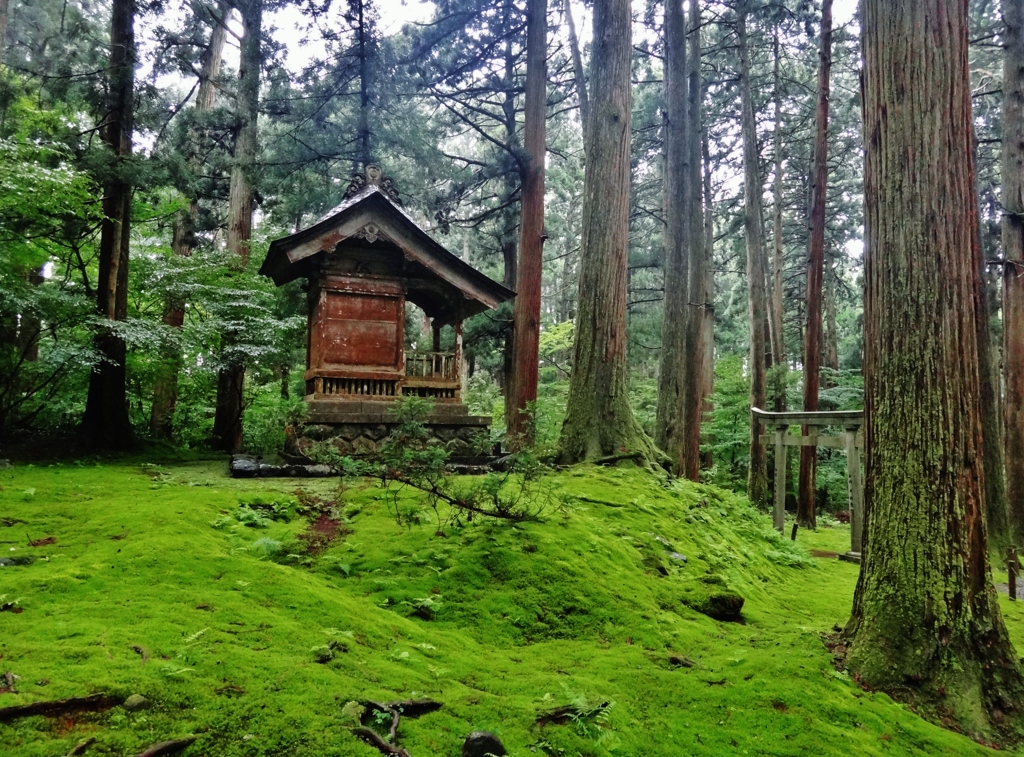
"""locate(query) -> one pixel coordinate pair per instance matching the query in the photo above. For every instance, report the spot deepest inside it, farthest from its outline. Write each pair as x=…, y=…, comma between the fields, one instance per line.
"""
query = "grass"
x=154, y=586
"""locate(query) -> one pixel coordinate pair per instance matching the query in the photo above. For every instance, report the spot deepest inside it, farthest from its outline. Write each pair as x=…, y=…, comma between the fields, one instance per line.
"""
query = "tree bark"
x=1013, y=266
x=757, y=476
x=599, y=419
x=806, y=491
x=708, y=325
x=699, y=293
x=669, y=425
x=165, y=389
x=526, y=314
x=926, y=624
x=106, y=424
x=227, y=424
x=778, y=337
x=578, y=70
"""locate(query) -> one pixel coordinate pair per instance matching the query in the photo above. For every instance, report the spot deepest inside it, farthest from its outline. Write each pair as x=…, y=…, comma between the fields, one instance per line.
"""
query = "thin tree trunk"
x=227, y=425
x=669, y=425
x=508, y=241
x=757, y=477
x=805, y=509
x=363, y=128
x=926, y=623
x=708, y=337
x=695, y=378
x=778, y=337
x=106, y=424
x=526, y=327
x=165, y=389
x=832, y=330
x=578, y=70
x=599, y=419
x=1013, y=266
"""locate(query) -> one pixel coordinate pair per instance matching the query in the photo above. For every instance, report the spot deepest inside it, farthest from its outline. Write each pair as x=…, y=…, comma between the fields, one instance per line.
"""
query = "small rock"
x=481, y=744
x=677, y=556
x=5, y=464
x=136, y=702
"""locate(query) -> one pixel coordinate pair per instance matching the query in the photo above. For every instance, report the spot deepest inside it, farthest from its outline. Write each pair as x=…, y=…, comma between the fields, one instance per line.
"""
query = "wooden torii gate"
x=852, y=441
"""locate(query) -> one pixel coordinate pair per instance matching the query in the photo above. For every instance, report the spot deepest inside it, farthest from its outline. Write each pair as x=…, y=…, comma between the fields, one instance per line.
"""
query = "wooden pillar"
x=460, y=374
x=856, y=487
x=780, y=478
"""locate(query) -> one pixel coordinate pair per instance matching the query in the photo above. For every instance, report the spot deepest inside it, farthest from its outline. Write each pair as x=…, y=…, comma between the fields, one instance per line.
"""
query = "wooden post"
x=459, y=373
x=856, y=486
x=1011, y=570
x=780, y=477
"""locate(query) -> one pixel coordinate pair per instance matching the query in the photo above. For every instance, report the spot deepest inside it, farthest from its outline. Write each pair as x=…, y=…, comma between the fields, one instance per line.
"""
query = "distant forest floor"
x=250, y=614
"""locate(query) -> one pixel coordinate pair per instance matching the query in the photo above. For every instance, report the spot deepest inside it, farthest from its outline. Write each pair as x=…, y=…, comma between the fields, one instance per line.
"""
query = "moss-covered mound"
x=249, y=619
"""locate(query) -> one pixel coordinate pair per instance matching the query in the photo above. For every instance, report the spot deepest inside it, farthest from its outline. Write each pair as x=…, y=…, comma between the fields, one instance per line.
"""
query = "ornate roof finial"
x=374, y=176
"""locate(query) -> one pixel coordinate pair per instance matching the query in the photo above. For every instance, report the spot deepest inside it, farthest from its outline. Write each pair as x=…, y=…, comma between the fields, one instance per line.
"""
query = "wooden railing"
x=441, y=366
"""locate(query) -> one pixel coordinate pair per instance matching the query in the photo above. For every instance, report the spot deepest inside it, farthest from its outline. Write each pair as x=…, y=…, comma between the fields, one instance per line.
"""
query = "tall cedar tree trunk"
x=578, y=72
x=805, y=510
x=926, y=622
x=669, y=426
x=996, y=516
x=708, y=336
x=227, y=424
x=698, y=347
x=757, y=477
x=599, y=420
x=106, y=424
x=1013, y=265
x=778, y=337
x=509, y=219
x=165, y=389
x=526, y=321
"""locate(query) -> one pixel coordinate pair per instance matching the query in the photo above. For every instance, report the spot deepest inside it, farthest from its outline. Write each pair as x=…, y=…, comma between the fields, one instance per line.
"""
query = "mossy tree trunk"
x=105, y=423
x=227, y=424
x=805, y=510
x=925, y=623
x=757, y=477
x=599, y=420
x=1013, y=265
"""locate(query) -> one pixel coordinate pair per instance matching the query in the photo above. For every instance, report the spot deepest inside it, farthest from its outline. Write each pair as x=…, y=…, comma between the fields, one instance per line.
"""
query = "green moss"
x=257, y=653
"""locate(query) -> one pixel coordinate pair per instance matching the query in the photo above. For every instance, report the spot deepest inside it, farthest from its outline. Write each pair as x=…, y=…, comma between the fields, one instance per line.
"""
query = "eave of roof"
x=285, y=254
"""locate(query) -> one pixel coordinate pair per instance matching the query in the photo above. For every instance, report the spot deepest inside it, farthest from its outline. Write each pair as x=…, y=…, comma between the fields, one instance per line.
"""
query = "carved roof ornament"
x=374, y=176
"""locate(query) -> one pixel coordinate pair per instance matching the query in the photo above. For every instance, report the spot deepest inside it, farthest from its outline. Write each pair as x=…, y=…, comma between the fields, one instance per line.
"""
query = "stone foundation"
x=358, y=428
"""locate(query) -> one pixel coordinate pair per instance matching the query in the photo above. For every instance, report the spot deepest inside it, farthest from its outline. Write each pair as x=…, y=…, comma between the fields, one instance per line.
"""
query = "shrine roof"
x=371, y=211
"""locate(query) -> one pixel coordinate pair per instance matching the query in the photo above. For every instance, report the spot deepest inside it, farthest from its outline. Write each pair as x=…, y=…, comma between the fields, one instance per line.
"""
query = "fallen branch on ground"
x=59, y=707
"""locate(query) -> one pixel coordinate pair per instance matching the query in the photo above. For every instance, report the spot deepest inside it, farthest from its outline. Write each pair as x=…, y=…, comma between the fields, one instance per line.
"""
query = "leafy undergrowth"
x=252, y=626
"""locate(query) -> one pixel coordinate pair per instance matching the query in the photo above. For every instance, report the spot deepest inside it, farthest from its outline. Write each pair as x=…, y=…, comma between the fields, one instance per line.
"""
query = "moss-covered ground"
x=153, y=586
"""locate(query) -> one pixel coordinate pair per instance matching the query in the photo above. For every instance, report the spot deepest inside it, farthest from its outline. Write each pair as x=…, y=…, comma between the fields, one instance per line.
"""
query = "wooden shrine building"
x=363, y=262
